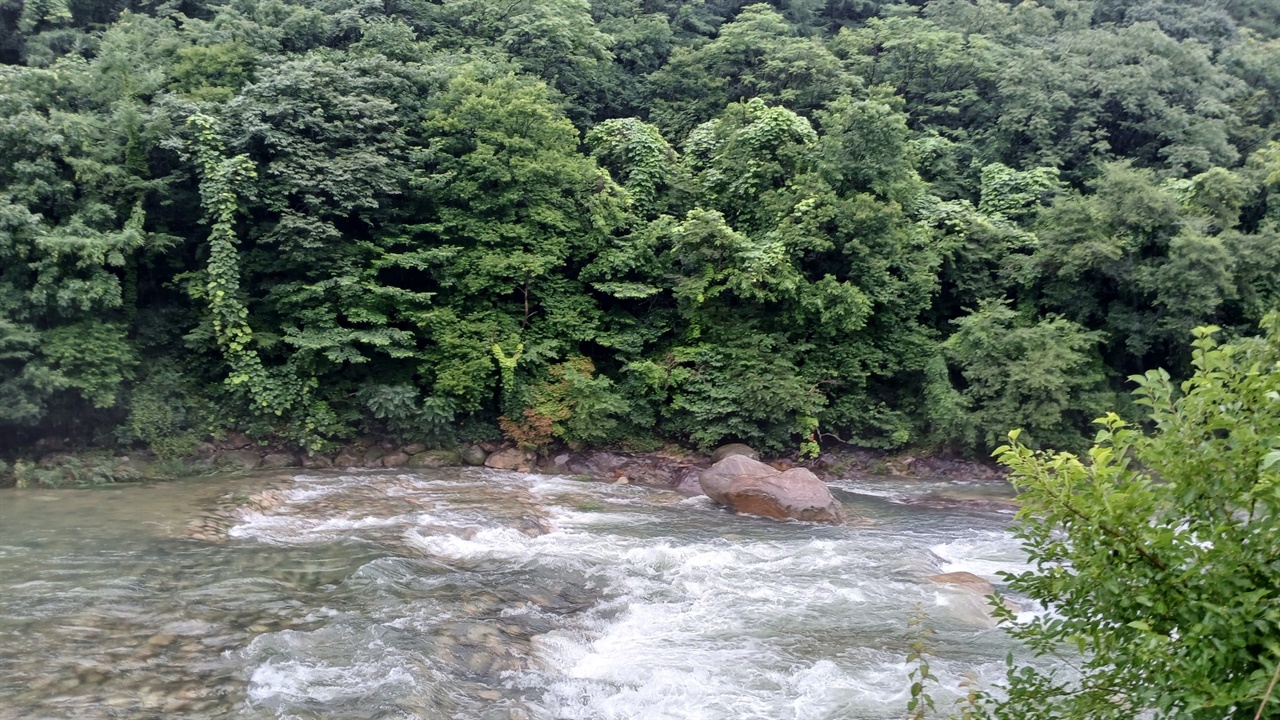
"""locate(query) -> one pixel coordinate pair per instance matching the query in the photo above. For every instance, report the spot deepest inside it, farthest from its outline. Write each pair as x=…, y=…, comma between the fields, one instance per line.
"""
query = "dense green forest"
x=898, y=225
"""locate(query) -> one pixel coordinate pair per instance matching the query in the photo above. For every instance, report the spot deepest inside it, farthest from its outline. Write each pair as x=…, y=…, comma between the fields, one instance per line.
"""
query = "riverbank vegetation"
x=897, y=225
x=1157, y=552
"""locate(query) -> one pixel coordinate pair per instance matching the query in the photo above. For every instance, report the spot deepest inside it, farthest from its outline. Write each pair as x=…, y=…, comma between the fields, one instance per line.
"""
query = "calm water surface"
x=481, y=595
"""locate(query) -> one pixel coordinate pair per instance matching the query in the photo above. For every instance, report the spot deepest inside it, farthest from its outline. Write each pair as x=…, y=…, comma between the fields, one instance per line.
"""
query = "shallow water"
x=483, y=595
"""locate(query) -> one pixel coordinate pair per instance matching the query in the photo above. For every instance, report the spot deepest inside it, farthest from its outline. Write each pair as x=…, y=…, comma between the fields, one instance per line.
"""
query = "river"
x=485, y=595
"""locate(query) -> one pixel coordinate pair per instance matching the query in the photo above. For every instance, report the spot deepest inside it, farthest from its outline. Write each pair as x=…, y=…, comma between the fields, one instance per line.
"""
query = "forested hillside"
x=899, y=225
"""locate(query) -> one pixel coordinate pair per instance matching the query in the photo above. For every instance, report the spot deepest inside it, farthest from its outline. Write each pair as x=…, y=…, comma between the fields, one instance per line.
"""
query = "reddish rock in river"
x=750, y=486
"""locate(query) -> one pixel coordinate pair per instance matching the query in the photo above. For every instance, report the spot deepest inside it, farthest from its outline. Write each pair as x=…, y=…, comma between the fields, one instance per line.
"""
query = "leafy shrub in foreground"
x=1157, y=552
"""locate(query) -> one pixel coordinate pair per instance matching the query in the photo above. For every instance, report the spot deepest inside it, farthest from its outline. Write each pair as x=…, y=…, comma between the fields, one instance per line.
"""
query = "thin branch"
x=1274, y=676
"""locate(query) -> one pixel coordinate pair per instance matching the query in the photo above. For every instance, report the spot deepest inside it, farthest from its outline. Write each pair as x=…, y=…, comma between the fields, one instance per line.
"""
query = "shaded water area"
x=482, y=594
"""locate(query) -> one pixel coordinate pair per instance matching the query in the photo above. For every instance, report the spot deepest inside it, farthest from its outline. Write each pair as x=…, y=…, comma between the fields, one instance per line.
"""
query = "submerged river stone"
x=482, y=591
x=750, y=486
x=966, y=580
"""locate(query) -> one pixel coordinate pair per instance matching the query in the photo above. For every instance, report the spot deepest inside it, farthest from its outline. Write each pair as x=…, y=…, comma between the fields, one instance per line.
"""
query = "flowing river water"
x=485, y=595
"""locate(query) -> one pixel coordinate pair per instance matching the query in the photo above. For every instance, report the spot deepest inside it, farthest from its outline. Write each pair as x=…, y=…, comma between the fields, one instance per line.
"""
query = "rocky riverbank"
x=673, y=468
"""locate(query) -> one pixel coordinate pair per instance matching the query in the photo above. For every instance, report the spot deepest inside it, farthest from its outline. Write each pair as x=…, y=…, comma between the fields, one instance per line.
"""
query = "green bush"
x=752, y=392
x=71, y=471
x=166, y=413
x=1157, y=552
x=574, y=404
x=1043, y=376
x=399, y=411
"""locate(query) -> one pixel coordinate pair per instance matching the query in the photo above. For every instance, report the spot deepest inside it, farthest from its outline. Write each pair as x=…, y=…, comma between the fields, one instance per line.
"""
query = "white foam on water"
x=291, y=529
x=313, y=492
x=489, y=543
x=571, y=519
x=294, y=680
x=292, y=523
x=983, y=553
x=546, y=484
x=307, y=488
x=726, y=630
x=894, y=491
x=452, y=485
x=781, y=622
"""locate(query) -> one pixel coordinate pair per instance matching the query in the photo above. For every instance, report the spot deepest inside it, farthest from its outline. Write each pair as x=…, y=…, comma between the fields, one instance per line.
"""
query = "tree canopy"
x=898, y=225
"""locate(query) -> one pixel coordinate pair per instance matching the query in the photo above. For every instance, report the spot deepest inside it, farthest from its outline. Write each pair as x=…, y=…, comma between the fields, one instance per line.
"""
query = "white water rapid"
x=483, y=595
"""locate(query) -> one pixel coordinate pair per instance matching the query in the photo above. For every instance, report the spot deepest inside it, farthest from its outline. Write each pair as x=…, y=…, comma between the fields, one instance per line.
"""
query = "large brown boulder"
x=373, y=456
x=348, y=457
x=974, y=586
x=750, y=486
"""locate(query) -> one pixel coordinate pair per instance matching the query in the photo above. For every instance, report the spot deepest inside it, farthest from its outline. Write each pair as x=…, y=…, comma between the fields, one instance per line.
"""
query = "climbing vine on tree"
x=278, y=391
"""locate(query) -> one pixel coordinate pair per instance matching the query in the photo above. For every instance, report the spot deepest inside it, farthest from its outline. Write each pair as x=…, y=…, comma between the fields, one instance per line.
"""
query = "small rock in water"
x=966, y=580
x=479, y=662
x=41, y=682
x=241, y=459
x=509, y=459
x=476, y=633
x=395, y=460
x=281, y=460
x=347, y=458
x=474, y=455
